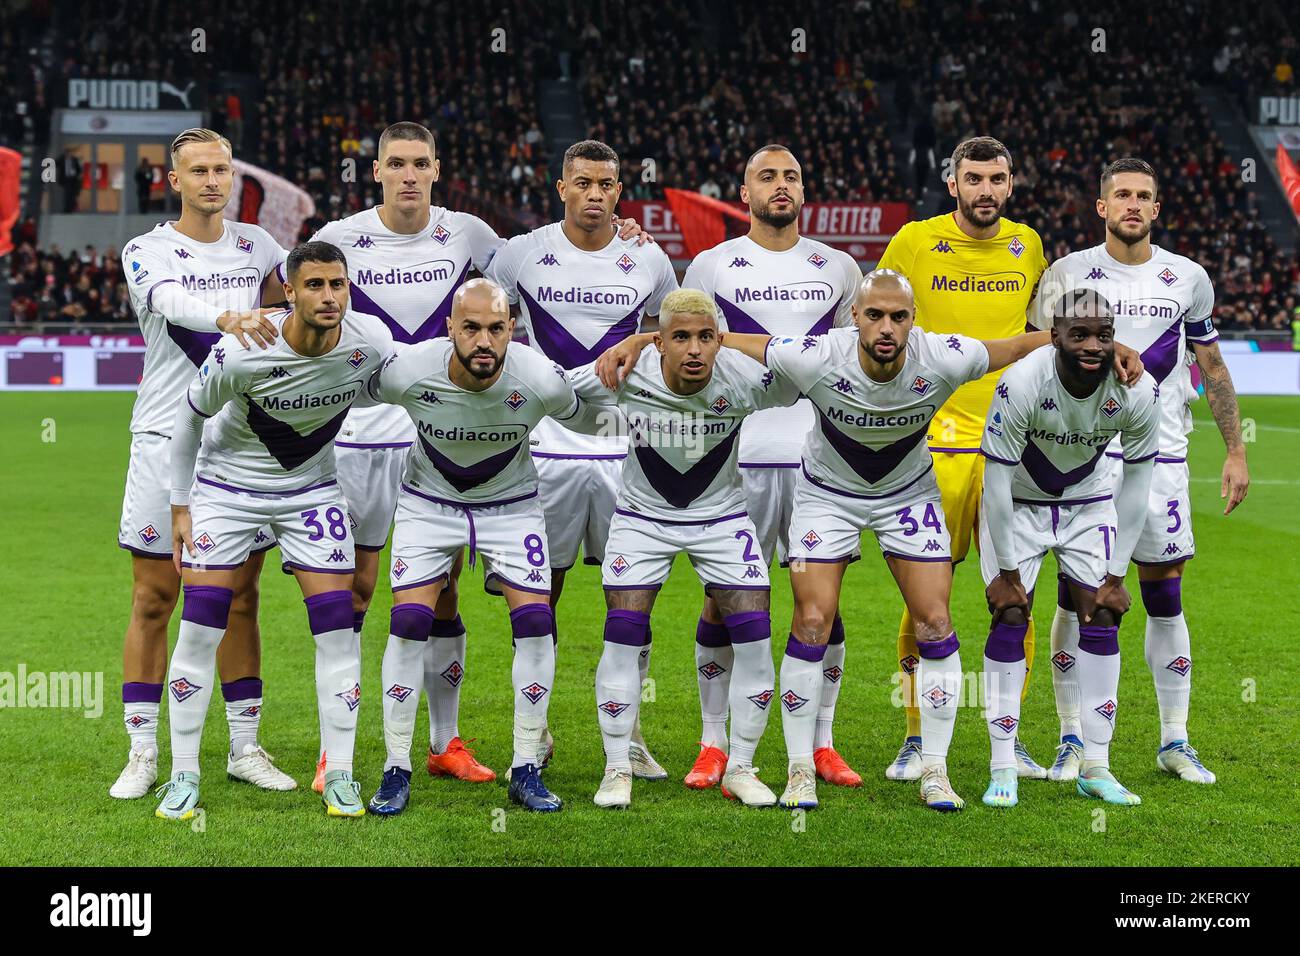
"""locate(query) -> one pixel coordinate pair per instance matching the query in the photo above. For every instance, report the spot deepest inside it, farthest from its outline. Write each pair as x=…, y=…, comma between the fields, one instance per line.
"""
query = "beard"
x=466, y=360
x=1129, y=238
x=1092, y=379
x=778, y=220
x=980, y=217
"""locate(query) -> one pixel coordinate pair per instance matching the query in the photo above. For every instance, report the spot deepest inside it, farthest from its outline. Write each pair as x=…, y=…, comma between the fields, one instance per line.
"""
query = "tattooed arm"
x=1227, y=415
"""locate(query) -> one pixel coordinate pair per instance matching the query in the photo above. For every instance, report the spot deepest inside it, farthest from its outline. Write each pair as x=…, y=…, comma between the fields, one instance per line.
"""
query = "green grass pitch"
x=65, y=600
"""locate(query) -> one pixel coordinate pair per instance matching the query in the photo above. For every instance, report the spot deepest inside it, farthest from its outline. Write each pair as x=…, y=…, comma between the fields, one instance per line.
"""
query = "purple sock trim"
x=1163, y=598
x=1064, y=599
x=410, y=622
x=358, y=621
x=1102, y=641
x=1006, y=642
x=207, y=605
x=532, y=620
x=938, y=650
x=329, y=611
x=814, y=653
x=708, y=634
x=138, y=692
x=453, y=628
x=749, y=626
x=246, y=688
x=837, y=630
x=629, y=628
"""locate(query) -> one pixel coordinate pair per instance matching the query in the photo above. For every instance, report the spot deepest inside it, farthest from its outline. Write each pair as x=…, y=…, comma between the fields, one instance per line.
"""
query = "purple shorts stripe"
x=419, y=584
x=861, y=497
x=1064, y=502
x=246, y=688
x=813, y=653
x=632, y=587
x=768, y=464
x=212, y=567
x=954, y=451
x=532, y=620
x=909, y=557
x=496, y=576
x=843, y=559
x=708, y=634
x=372, y=548
x=263, y=549
x=1114, y=454
x=556, y=457
x=1137, y=461
x=207, y=605
x=144, y=554
x=265, y=494
x=633, y=514
x=713, y=586
x=466, y=504
x=1160, y=564
x=1162, y=460
x=329, y=611
x=938, y=650
x=411, y=622
x=367, y=447
x=749, y=626
x=1086, y=587
x=138, y=692
x=290, y=566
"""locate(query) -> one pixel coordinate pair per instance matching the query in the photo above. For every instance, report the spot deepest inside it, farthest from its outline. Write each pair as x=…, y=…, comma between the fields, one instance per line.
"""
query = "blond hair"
x=198, y=135
x=687, y=302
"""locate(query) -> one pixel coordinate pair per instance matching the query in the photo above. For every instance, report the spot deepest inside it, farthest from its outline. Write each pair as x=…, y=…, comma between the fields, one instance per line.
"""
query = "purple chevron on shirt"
x=465, y=477
x=738, y=320
x=1162, y=354
x=285, y=444
x=677, y=488
x=872, y=464
x=1048, y=477
x=195, y=345
x=431, y=328
x=559, y=345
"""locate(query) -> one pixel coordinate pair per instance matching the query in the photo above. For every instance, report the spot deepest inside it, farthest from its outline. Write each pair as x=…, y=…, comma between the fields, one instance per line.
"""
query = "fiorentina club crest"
x=909, y=663
x=251, y=711
x=1110, y=407
x=351, y=697
x=515, y=400
x=612, y=707
x=792, y=700
x=817, y=259
x=534, y=691
x=137, y=720
x=357, y=358
x=148, y=535
x=399, y=568
x=1179, y=665
x=1016, y=247
x=453, y=674
x=720, y=405
x=833, y=674
x=811, y=540
x=937, y=696
x=1107, y=710
x=1006, y=723
x=619, y=565
x=1062, y=661
x=182, y=689
x=921, y=385
x=762, y=700
x=204, y=542
x=711, y=669
x=1167, y=277
x=398, y=692
x=441, y=235
x=625, y=263
x=244, y=245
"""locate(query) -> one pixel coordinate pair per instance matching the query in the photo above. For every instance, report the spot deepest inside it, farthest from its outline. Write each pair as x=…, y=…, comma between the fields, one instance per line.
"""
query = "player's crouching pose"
x=684, y=402
x=1050, y=422
x=866, y=466
x=268, y=459
x=470, y=482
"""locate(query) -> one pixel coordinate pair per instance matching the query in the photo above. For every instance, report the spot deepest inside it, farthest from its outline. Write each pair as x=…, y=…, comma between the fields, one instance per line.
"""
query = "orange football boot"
x=832, y=768
x=708, y=769
x=456, y=761
x=318, y=782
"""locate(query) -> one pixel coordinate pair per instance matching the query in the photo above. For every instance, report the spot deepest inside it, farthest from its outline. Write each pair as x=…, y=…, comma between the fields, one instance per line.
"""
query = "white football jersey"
x=274, y=412
x=682, y=460
x=806, y=290
x=472, y=447
x=407, y=281
x=1056, y=439
x=575, y=304
x=227, y=274
x=869, y=437
x=1159, y=307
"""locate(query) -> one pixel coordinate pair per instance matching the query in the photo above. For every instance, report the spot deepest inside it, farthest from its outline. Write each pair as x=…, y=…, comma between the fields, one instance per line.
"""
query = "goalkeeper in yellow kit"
x=974, y=273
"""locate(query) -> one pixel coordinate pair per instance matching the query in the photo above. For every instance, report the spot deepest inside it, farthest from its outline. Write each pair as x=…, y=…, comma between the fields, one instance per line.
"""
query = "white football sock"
x=1004, y=679
x=832, y=671
x=1098, y=691
x=1169, y=655
x=1065, y=678
x=801, y=683
x=444, y=671
x=618, y=699
x=753, y=681
x=338, y=675
x=714, y=660
x=533, y=675
x=938, y=682
x=243, y=712
x=193, y=670
x=140, y=706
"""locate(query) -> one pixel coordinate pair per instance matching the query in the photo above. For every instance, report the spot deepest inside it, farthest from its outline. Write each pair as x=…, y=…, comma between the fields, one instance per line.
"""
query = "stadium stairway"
x=1232, y=128
x=563, y=123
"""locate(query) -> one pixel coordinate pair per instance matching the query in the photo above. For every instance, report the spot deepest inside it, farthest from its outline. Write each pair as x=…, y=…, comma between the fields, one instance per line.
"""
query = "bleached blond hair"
x=198, y=135
x=687, y=302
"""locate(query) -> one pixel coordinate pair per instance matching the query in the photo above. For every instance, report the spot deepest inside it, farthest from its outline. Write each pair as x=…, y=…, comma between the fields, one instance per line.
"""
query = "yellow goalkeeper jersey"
x=978, y=287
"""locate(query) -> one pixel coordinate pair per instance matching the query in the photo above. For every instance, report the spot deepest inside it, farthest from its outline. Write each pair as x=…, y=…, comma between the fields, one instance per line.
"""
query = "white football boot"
x=742, y=783
x=138, y=776
x=615, y=789
x=254, y=766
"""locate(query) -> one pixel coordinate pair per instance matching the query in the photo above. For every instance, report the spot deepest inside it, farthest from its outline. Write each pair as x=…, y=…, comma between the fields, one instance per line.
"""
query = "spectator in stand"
x=143, y=185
